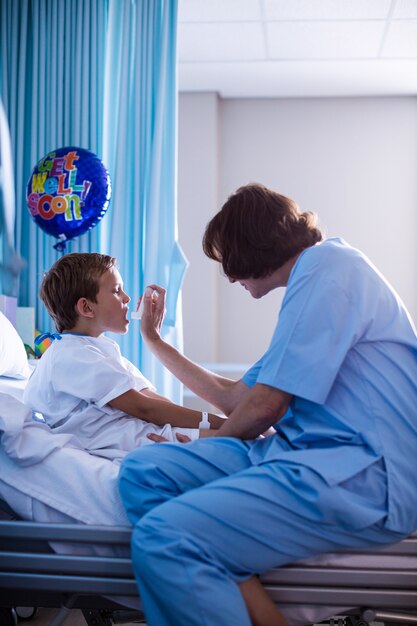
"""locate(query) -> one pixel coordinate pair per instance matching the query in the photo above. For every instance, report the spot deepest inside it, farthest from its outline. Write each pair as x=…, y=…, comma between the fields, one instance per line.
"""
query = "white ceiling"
x=298, y=48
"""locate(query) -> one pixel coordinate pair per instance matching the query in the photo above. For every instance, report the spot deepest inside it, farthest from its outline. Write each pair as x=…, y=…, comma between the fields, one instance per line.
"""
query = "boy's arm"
x=223, y=393
x=160, y=411
x=153, y=394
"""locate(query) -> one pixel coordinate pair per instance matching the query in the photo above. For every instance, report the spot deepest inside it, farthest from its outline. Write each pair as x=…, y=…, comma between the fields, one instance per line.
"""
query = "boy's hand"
x=159, y=439
x=153, y=312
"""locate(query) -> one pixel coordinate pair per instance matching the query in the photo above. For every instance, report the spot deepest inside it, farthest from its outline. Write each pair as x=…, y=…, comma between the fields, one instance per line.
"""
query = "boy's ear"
x=84, y=308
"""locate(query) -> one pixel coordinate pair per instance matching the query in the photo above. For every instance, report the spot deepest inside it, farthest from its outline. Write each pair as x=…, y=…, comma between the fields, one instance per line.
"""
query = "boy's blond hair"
x=72, y=277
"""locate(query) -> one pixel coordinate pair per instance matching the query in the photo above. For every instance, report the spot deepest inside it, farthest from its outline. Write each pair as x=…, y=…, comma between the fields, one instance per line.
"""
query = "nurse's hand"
x=153, y=312
x=159, y=439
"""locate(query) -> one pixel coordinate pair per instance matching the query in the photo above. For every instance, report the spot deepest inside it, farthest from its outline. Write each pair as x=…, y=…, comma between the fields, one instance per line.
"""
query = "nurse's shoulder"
x=330, y=256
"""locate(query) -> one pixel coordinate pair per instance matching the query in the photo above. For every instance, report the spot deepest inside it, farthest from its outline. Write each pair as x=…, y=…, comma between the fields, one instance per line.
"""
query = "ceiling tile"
x=401, y=41
x=218, y=10
x=327, y=9
x=405, y=9
x=315, y=47
x=324, y=40
x=221, y=42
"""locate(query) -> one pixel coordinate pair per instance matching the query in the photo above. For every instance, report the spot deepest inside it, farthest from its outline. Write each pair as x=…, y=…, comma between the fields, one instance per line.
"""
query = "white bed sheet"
x=14, y=386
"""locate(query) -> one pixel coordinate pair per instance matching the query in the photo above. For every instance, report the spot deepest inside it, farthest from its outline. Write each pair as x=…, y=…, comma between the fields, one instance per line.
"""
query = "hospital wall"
x=351, y=160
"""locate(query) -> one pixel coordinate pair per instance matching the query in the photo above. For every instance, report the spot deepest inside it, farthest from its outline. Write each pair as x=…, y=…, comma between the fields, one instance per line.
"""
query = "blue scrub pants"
x=205, y=518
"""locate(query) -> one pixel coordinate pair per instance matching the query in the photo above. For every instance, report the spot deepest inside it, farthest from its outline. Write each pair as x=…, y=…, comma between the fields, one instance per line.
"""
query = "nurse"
x=337, y=387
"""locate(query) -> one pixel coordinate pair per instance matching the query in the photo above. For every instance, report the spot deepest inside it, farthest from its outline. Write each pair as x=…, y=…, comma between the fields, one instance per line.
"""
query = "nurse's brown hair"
x=258, y=230
x=72, y=277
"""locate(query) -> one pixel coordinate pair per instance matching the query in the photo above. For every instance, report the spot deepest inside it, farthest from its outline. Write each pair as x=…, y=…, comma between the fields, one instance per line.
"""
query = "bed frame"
x=32, y=575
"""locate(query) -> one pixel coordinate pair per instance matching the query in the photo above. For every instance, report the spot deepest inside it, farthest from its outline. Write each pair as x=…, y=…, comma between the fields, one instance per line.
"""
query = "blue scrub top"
x=346, y=348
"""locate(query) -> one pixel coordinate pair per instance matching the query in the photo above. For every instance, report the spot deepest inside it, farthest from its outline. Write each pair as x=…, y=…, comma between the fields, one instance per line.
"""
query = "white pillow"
x=13, y=359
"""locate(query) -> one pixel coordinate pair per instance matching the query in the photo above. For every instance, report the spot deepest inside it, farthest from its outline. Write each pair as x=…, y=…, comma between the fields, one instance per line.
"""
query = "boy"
x=82, y=385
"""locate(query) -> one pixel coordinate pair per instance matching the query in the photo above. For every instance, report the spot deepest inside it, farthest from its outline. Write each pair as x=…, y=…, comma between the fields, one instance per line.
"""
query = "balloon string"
x=61, y=245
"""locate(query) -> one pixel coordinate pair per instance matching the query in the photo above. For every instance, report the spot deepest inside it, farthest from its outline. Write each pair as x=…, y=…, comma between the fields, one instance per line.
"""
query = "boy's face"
x=111, y=308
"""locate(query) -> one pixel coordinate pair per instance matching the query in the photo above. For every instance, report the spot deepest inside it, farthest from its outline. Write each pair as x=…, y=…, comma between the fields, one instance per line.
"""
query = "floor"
x=44, y=617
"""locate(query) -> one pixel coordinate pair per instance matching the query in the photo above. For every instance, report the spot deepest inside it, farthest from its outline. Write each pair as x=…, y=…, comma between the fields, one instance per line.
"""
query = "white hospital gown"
x=72, y=385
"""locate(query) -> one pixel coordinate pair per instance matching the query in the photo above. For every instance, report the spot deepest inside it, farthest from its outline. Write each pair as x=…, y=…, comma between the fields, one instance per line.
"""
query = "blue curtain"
x=140, y=108
x=101, y=75
x=11, y=264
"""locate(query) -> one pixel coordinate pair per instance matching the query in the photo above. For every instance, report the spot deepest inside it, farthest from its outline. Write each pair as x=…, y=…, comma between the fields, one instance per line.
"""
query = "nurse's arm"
x=223, y=393
x=261, y=407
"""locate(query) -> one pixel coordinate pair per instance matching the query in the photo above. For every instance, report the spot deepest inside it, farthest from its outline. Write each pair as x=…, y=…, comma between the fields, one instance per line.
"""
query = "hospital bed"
x=67, y=545
x=381, y=584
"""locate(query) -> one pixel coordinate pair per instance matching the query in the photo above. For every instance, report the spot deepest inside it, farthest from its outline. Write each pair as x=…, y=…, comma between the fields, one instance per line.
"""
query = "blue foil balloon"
x=68, y=193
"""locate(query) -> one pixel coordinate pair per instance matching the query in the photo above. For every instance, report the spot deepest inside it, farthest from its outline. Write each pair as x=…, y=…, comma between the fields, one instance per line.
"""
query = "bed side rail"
x=37, y=570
